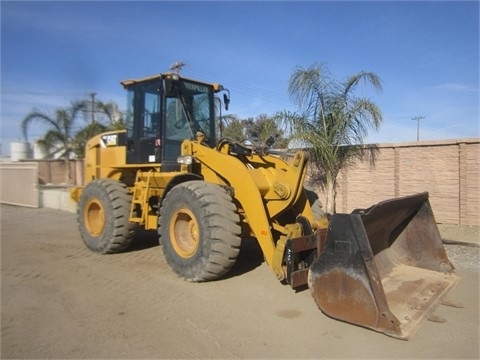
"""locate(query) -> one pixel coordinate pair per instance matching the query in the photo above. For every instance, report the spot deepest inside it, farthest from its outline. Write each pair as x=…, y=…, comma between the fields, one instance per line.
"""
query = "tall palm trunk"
x=330, y=190
x=68, y=171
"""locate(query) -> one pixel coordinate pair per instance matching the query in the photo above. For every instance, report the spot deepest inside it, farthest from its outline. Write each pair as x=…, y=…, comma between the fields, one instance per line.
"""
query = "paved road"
x=59, y=300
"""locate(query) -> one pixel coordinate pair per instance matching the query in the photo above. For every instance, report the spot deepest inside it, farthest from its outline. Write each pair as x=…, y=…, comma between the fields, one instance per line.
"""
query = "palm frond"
x=37, y=115
x=333, y=121
x=367, y=77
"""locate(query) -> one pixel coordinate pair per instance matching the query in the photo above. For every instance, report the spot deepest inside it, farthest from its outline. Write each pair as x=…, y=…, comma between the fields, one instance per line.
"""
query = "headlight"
x=185, y=160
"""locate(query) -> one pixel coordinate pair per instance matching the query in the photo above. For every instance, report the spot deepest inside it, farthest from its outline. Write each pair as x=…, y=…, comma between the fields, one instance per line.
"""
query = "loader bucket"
x=384, y=268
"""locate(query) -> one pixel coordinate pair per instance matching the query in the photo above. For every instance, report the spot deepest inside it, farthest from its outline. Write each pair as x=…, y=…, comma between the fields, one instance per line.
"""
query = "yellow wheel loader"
x=383, y=268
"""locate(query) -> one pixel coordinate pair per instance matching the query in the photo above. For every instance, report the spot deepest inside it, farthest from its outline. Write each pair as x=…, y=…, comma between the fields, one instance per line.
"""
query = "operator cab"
x=164, y=110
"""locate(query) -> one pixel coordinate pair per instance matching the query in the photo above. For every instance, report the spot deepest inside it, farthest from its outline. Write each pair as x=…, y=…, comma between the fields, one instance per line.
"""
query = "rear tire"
x=199, y=231
x=103, y=213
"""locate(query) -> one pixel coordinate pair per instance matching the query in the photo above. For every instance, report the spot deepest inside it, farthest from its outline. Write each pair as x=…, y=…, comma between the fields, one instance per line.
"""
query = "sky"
x=425, y=52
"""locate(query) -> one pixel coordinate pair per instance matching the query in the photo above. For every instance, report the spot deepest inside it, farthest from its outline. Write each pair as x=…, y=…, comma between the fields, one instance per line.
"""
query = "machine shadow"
x=249, y=258
x=143, y=239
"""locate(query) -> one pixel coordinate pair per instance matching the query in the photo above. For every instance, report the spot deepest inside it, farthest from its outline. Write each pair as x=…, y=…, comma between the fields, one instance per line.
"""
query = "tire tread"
x=219, y=213
x=117, y=197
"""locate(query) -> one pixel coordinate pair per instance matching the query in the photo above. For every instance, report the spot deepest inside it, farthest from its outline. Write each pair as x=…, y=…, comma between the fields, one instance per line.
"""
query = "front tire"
x=103, y=213
x=199, y=231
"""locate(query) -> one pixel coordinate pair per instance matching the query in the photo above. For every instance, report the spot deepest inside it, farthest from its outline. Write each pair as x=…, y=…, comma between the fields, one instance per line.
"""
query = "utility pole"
x=92, y=109
x=418, y=118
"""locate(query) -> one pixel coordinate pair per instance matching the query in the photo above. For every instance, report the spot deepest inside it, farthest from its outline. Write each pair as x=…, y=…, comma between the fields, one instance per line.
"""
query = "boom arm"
x=264, y=187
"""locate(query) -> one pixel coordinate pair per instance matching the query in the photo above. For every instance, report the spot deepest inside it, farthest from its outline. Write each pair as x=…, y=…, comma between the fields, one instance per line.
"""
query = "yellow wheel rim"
x=184, y=233
x=94, y=217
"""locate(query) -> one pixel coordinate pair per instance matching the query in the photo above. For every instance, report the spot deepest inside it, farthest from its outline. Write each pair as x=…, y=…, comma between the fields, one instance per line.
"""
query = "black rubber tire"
x=103, y=213
x=199, y=230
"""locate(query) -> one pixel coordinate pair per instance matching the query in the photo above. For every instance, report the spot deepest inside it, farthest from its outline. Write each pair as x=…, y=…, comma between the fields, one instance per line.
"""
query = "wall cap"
x=429, y=143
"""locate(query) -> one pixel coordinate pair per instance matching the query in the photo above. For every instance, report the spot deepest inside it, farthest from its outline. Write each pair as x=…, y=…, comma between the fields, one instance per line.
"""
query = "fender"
x=178, y=180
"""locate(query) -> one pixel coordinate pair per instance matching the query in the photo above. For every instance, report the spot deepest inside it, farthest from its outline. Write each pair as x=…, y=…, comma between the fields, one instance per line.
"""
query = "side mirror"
x=226, y=99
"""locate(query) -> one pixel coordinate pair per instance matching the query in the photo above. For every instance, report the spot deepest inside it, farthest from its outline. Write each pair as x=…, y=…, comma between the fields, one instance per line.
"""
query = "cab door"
x=144, y=120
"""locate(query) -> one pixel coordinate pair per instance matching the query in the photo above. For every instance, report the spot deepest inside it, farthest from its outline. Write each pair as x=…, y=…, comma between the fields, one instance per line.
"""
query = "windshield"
x=190, y=109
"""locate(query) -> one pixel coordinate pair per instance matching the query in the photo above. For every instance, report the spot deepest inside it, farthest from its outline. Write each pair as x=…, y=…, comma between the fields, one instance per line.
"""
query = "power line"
x=242, y=87
x=39, y=93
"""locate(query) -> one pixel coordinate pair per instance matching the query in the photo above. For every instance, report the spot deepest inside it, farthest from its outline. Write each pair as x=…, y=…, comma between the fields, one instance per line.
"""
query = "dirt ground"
x=59, y=300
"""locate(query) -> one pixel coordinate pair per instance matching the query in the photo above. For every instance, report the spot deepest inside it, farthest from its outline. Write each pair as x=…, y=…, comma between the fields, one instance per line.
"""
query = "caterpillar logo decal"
x=109, y=140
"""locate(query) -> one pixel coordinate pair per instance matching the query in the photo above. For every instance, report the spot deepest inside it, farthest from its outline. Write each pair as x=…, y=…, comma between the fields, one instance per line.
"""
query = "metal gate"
x=19, y=184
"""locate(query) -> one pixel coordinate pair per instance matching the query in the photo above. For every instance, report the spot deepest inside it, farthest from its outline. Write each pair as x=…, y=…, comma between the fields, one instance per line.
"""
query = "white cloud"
x=452, y=87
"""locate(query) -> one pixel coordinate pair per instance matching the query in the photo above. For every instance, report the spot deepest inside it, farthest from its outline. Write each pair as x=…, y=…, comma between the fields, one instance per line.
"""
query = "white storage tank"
x=20, y=151
x=38, y=153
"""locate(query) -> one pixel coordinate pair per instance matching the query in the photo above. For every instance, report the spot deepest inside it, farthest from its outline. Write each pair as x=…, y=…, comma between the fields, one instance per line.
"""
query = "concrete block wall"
x=448, y=170
x=57, y=197
x=54, y=172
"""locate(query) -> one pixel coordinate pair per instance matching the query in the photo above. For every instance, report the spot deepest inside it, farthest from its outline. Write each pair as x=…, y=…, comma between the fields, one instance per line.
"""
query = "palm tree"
x=333, y=122
x=107, y=118
x=234, y=129
x=82, y=136
x=264, y=130
x=224, y=123
x=58, y=139
x=109, y=110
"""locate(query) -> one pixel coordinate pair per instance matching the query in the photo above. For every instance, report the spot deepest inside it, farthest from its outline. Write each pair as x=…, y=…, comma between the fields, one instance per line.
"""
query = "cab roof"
x=129, y=82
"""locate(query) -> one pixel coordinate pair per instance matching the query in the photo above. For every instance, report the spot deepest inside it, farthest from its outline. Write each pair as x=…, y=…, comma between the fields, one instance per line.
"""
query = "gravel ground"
x=464, y=257
x=462, y=244
x=59, y=300
x=459, y=234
